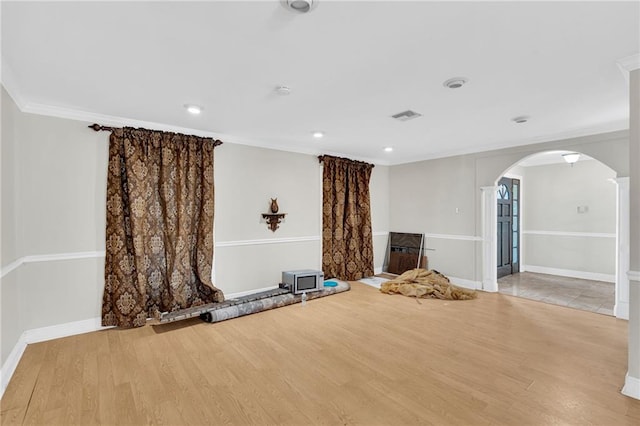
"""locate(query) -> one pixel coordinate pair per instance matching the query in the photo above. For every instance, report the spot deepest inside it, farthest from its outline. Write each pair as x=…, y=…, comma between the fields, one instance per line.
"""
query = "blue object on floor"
x=330, y=284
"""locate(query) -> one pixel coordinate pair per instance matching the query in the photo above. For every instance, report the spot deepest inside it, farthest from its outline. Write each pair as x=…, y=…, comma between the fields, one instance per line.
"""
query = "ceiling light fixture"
x=193, y=109
x=299, y=6
x=520, y=120
x=388, y=149
x=571, y=158
x=318, y=134
x=455, y=82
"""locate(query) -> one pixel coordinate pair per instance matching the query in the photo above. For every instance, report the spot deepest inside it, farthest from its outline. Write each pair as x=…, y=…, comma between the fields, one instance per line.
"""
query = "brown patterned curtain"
x=347, y=243
x=159, y=240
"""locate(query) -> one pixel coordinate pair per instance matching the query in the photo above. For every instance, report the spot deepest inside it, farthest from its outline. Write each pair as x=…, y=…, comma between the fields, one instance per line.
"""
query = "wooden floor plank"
x=357, y=358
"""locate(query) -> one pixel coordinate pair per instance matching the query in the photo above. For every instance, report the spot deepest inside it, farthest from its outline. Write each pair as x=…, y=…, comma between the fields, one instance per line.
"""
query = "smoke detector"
x=406, y=115
x=283, y=90
x=455, y=82
x=299, y=6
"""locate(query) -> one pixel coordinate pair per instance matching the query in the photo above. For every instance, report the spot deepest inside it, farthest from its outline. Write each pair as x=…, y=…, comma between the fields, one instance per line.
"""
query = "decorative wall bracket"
x=273, y=220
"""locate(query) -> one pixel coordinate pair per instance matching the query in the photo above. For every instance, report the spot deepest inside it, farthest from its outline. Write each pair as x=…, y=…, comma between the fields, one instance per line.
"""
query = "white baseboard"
x=9, y=366
x=375, y=282
x=41, y=335
x=621, y=310
x=63, y=330
x=489, y=286
x=461, y=282
x=594, y=276
x=377, y=271
x=631, y=387
x=248, y=292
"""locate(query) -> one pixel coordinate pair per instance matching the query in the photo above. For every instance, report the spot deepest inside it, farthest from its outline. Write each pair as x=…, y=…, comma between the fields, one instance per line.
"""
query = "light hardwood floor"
x=359, y=357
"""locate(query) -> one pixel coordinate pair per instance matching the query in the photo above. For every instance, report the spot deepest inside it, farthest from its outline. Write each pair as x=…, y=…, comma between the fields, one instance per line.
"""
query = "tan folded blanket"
x=422, y=283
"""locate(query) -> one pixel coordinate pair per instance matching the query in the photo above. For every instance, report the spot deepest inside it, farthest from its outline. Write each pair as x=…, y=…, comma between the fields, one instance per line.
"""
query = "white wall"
x=53, y=219
x=379, y=187
x=53, y=193
x=249, y=255
x=556, y=235
x=246, y=178
x=9, y=313
x=424, y=196
x=436, y=197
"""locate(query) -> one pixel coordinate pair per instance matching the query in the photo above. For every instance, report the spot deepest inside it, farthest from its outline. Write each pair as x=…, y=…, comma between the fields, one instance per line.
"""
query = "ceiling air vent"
x=406, y=115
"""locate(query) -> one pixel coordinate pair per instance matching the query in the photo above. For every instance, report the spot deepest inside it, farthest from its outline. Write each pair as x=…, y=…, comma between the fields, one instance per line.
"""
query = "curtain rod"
x=97, y=127
x=321, y=157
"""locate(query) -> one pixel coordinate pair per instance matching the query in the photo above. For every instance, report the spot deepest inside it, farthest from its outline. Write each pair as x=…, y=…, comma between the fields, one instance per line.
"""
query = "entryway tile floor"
x=587, y=295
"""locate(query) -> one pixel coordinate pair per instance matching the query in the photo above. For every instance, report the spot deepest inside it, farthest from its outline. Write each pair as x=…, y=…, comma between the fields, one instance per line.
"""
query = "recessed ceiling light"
x=193, y=109
x=283, y=90
x=318, y=134
x=388, y=149
x=455, y=82
x=299, y=6
x=521, y=119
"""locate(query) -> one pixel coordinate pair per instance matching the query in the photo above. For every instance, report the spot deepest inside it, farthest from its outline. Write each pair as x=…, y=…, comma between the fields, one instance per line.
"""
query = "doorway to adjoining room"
x=556, y=232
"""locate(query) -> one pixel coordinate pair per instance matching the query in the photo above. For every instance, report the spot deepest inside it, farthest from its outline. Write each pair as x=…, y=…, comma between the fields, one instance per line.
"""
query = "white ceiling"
x=350, y=65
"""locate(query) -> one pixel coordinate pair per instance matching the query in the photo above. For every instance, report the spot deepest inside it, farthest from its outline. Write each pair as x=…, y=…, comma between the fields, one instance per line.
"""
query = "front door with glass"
x=508, y=226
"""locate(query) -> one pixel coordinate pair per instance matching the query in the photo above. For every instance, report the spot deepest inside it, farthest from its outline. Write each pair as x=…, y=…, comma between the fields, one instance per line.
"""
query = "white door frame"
x=490, y=244
x=489, y=239
x=623, y=234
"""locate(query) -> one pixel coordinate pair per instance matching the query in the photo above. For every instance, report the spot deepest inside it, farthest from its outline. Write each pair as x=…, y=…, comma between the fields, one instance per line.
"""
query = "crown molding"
x=24, y=105
x=9, y=83
x=629, y=63
x=112, y=120
x=626, y=65
x=569, y=137
x=116, y=121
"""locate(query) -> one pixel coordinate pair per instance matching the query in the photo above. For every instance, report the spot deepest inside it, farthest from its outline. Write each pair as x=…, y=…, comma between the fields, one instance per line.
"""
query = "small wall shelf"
x=273, y=220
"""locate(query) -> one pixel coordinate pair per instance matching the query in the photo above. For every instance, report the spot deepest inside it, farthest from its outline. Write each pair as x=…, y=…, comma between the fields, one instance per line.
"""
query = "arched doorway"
x=490, y=240
x=567, y=232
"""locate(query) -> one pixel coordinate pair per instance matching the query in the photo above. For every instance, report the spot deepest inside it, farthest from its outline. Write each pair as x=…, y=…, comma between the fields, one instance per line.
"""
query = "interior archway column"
x=489, y=243
x=621, y=307
x=632, y=381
